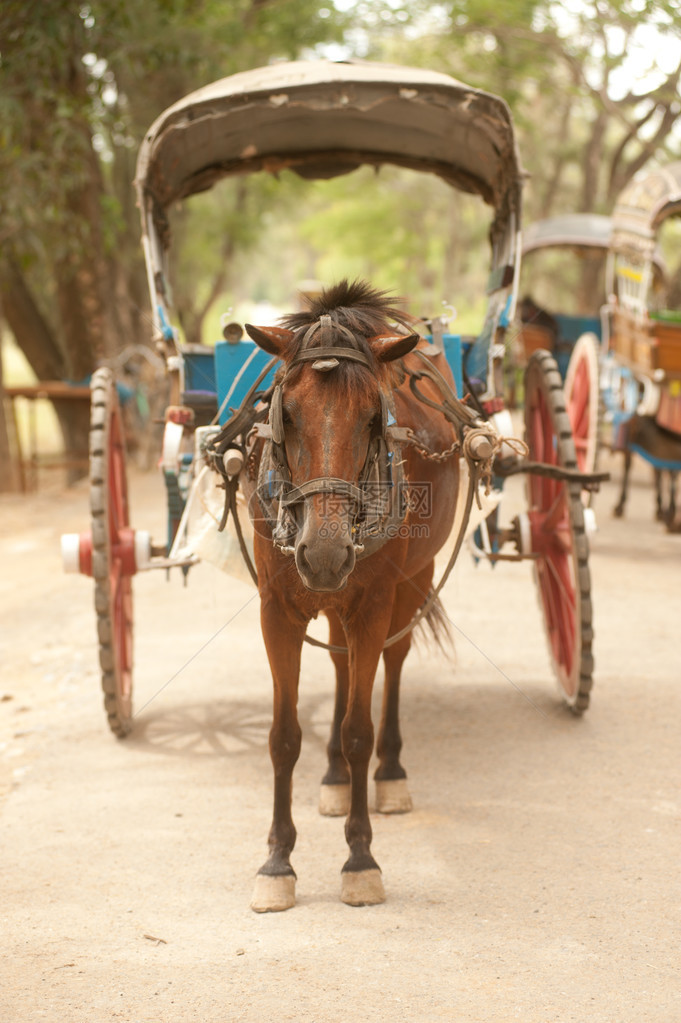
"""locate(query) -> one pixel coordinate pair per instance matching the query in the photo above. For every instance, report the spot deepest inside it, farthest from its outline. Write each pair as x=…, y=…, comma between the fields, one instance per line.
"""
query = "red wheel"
x=582, y=400
x=558, y=537
x=113, y=561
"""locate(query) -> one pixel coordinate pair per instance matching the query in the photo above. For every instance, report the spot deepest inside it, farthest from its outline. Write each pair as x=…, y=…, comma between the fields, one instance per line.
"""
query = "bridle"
x=378, y=498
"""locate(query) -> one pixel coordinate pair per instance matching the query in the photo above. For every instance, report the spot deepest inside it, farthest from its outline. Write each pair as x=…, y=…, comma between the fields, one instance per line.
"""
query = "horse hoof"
x=362, y=887
x=393, y=796
x=334, y=800
x=272, y=894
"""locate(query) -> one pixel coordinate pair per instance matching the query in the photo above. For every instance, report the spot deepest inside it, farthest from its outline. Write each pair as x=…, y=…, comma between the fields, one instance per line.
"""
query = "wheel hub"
x=131, y=549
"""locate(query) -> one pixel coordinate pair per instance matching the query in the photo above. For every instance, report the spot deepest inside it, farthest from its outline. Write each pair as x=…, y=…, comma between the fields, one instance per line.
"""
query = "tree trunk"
x=37, y=341
x=32, y=333
x=9, y=474
x=592, y=163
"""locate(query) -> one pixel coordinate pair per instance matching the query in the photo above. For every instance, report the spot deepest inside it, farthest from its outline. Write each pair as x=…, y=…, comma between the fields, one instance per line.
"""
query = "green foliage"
x=406, y=232
x=593, y=90
x=80, y=84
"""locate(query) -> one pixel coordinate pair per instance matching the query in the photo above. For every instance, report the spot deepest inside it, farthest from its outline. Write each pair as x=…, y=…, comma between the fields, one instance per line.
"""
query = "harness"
x=379, y=498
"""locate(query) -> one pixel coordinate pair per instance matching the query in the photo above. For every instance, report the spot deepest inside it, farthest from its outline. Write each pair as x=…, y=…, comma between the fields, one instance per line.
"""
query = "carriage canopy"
x=583, y=233
x=322, y=119
x=572, y=230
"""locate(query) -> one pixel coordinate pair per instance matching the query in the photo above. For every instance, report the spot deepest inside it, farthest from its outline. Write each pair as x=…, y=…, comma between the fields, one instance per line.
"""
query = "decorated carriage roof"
x=572, y=230
x=322, y=119
x=643, y=206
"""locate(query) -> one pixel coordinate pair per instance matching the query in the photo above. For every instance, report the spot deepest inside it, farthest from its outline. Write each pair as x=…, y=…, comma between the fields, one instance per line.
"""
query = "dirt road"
x=537, y=878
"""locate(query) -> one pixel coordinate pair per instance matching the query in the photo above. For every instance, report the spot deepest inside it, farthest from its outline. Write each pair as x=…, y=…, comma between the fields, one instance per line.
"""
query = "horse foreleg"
x=392, y=792
x=618, y=510
x=361, y=875
x=334, y=795
x=275, y=881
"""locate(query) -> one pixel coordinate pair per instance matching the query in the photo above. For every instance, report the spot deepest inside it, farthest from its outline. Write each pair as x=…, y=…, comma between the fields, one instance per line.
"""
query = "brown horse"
x=350, y=512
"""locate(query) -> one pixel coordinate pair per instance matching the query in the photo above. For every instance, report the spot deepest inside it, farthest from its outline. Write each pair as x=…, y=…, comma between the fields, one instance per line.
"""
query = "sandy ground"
x=537, y=878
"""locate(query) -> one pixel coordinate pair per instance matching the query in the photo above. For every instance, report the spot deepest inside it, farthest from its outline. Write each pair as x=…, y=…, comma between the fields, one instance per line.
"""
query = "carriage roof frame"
x=642, y=207
x=579, y=231
x=634, y=259
x=321, y=119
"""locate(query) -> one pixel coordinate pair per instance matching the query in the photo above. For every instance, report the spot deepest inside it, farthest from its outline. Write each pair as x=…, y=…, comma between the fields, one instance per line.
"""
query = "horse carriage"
x=572, y=247
x=643, y=336
x=602, y=387
x=333, y=425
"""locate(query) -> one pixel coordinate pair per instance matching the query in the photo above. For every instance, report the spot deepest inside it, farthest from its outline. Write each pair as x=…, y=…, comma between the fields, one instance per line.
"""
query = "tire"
x=582, y=400
x=559, y=543
x=110, y=524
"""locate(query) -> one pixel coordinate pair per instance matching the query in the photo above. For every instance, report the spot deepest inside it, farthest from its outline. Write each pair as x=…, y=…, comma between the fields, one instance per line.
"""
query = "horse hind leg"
x=362, y=884
x=334, y=793
x=618, y=510
x=673, y=526
x=390, y=777
x=392, y=790
x=661, y=513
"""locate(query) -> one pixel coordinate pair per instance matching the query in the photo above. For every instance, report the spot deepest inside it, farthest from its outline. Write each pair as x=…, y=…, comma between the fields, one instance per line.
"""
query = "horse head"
x=328, y=413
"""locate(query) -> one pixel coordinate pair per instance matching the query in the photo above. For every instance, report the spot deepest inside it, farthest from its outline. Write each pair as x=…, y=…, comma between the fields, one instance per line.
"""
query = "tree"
x=593, y=86
x=79, y=84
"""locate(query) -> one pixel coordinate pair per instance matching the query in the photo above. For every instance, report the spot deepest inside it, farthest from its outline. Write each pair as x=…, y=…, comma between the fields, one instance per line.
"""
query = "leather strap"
x=312, y=354
x=323, y=485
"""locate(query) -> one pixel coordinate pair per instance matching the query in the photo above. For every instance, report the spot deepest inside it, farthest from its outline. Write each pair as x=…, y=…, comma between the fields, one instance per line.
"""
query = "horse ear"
x=271, y=339
x=387, y=347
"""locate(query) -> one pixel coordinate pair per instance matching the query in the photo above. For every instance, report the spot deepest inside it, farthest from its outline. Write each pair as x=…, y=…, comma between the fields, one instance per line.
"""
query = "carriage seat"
x=204, y=405
x=200, y=393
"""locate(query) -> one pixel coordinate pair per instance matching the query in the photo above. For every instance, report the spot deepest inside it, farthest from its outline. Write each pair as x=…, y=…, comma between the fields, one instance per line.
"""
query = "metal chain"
x=434, y=456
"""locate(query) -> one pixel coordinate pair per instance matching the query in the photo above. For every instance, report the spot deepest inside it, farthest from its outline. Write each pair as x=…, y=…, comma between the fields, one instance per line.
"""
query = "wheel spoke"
x=561, y=575
x=559, y=622
x=555, y=514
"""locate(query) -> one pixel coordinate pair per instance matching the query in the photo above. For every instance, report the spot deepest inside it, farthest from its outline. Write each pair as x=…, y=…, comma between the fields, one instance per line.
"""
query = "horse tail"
x=436, y=626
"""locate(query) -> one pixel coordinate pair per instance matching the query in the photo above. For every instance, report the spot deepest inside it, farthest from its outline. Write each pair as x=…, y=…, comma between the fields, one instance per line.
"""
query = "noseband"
x=379, y=497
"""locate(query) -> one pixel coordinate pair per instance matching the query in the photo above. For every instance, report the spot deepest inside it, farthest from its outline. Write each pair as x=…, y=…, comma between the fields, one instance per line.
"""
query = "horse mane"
x=363, y=310
x=358, y=306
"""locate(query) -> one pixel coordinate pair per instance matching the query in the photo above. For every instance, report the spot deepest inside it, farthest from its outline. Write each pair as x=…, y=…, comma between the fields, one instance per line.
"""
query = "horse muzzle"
x=324, y=564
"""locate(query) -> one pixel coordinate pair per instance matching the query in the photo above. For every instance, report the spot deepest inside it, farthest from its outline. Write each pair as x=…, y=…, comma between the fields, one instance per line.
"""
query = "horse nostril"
x=328, y=565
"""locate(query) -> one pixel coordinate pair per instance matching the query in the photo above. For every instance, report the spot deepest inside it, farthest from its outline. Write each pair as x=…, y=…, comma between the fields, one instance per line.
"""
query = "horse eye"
x=286, y=416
